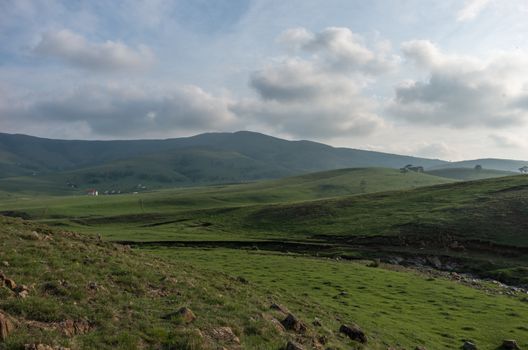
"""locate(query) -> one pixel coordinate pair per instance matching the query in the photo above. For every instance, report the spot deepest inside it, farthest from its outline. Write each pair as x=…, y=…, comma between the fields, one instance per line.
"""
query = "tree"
x=524, y=169
x=478, y=167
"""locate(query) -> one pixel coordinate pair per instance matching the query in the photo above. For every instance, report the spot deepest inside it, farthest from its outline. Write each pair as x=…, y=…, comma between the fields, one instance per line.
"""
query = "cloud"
x=117, y=110
x=340, y=49
x=74, y=49
x=321, y=94
x=471, y=9
x=462, y=91
x=504, y=141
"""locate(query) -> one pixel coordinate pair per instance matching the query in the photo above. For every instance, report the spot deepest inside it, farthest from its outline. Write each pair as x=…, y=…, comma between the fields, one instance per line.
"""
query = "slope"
x=467, y=174
x=236, y=157
x=80, y=292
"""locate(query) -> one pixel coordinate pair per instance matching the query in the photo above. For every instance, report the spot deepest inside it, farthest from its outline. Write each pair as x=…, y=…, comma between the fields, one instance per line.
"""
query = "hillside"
x=328, y=184
x=73, y=166
x=486, y=163
x=79, y=292
x=467, y=174
x=477, y=225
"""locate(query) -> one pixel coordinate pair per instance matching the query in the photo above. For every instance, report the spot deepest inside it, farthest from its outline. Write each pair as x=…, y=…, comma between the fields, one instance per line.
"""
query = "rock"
x=71, y=328
x=317, y=322
x=469, y=346
x=242, y=280
x=293, y=324
x=420, y=348
x=22, y=291
x=510, y=344
x=186, y=314
x=225, y=334
x=6, y=327
x=434, y=261
x=294, y=346
x=280, y=308
x=5, y=263
x=10, y=283
x=354, y=333
x=93, y=286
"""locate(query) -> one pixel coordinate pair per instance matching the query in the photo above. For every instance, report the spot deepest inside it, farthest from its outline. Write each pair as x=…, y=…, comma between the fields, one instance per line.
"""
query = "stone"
x=279, y=307
x=469, y=346
x=225, y=334
x=6, y=326
x=293, y=324
x=186, y=314
x=10, y=283
x=22, y=291
x=317, y=322
x=294, y=346
x=434, y=261
x=354, y=333
x=71, y=328
x=510, y=344
x=5, y=263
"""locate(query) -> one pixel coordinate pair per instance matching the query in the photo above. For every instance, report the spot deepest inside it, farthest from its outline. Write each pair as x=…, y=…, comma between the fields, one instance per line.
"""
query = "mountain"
x=73, y=165
x=485, y=163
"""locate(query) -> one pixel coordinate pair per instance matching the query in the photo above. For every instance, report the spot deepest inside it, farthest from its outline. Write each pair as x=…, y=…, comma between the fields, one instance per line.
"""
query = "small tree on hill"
x=478, y=167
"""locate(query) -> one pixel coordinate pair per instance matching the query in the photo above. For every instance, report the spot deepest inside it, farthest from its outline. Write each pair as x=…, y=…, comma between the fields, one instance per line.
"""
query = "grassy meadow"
x=229, y=251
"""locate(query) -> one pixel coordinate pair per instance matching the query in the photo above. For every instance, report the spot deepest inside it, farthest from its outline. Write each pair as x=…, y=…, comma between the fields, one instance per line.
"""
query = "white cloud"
x=462, y=91
x=471, y=9
x=118, y=110
x=340, y=49
x=321, y=95
x=74, y=49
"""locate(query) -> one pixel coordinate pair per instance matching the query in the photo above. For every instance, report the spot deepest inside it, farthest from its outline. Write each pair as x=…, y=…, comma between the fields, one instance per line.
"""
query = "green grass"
x=468, y=174
x=133, y=294
x=399, y=307
x=234, y=288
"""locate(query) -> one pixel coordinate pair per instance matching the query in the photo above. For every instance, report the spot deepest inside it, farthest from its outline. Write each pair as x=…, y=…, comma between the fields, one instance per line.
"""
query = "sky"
x=441, y=79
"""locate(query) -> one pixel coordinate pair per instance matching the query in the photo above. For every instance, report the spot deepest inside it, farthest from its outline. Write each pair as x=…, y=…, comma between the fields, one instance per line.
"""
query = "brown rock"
x=186, y=314
x=22, y=291
x=6, y=327
x=510, y=344
x=279, y=307
x=293, y=324
x=354, y=333
x=71, y=328
x=294, y=346
x=10, y=283
x=225, y=334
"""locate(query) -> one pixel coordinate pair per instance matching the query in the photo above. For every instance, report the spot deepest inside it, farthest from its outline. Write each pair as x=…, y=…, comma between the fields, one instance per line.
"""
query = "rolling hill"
x=72, y=166
x=486, y=163
x=467, y=174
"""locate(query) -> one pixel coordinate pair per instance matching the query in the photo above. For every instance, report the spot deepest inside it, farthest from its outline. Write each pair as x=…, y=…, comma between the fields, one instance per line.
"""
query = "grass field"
x=287, y=234
x=119, y=299
x=403, y=308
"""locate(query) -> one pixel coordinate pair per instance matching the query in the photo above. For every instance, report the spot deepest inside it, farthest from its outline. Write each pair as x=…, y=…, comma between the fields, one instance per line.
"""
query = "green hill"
x=79, y=292
x=467, y=174
x=69, y=166
x=486, y=163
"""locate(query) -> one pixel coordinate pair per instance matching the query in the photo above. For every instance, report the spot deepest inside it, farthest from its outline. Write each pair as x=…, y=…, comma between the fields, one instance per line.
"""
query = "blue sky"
x=442, y=79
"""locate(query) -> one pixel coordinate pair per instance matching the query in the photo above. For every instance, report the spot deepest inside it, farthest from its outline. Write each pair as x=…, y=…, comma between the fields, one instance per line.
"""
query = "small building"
x=92, y=192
